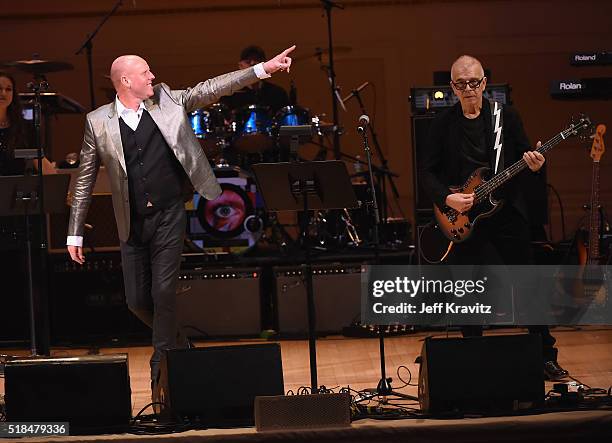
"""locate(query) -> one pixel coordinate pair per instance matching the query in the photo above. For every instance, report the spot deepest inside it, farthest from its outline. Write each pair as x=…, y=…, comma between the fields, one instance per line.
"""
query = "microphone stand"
x=383, y=170
x=37, y=348
x=88, y=46
x=328, y=5
x=383, y=388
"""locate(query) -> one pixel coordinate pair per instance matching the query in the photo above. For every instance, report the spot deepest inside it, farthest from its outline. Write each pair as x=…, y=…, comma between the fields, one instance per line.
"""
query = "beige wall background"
x=394, y=44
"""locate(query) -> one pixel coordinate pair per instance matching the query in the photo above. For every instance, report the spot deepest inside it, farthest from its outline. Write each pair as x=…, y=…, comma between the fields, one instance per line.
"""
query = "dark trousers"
x=502, y=239
x=151, y=261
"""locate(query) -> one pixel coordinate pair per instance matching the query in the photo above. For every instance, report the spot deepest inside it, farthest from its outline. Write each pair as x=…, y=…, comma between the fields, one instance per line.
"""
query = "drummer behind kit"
x=235, y=221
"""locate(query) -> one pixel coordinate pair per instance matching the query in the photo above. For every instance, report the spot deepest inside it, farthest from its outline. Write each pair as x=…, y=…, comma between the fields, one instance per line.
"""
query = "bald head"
x=466, y=63
x=131, y=78
x=468, y=83
x=124, y=65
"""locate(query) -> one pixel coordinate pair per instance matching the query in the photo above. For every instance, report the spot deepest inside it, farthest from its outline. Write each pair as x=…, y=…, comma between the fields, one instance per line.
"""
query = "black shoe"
x=553, y=372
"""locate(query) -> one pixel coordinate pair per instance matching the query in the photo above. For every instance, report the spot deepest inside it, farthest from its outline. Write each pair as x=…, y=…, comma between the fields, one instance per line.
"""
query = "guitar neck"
x=502, y=177
x=594, y=222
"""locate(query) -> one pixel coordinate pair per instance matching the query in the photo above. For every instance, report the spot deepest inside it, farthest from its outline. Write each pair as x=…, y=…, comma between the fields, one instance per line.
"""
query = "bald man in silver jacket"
x=144, y=130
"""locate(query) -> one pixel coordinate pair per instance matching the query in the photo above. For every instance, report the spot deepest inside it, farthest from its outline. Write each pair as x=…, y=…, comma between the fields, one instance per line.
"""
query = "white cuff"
x=260, y=72
x=74, y=240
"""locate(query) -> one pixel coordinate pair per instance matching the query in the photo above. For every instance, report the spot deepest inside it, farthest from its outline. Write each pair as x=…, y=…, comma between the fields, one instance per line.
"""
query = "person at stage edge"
x=145, y=140
x=12, y=127
x=461, y=140
x=262, y=93
x=14, y=132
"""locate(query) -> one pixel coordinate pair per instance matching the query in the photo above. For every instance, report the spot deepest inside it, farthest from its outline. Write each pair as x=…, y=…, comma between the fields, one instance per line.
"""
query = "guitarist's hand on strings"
x=460, y=202
x=534, y=159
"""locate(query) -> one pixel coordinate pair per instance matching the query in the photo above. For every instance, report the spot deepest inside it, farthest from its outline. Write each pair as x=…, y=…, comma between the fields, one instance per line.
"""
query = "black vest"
x=156, y=178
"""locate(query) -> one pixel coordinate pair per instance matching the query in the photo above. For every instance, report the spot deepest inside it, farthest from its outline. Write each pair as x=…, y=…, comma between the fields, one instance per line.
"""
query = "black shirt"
x=267, y=94
x=473, y=146
x=9, y=165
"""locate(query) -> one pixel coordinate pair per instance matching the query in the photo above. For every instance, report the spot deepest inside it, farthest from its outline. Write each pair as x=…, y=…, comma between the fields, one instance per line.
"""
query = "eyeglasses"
x=462, y=85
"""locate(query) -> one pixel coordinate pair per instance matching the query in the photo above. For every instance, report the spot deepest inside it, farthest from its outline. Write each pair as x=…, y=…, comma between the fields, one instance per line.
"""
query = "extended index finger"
x=288, y=50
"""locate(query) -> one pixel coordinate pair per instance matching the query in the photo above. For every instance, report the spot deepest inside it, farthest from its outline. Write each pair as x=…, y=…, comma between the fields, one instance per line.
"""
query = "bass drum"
x=231, y=223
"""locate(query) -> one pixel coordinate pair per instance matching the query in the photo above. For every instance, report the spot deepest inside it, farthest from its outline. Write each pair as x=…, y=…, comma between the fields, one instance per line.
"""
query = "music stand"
x=19, y=195
x=303, y=187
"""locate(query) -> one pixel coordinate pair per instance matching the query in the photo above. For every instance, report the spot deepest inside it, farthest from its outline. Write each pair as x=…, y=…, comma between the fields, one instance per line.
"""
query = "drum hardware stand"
x=328, y=5
x=382, y=172
x=306, y=186
x=88, y=47
x=222, y=162
x=383, y=389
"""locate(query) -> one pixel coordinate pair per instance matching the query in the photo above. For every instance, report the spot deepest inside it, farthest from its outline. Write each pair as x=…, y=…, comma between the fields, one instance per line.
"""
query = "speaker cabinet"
x=292, y=412
x=481, y=374
x=87, y=303
x=337, y=297
x=423, y=206
x=217, y=386
x=219, y=302
x=92, y=393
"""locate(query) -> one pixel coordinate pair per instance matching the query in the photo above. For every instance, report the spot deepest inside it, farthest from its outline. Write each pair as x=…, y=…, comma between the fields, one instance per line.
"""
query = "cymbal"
x=37, y=66
x=322, y=51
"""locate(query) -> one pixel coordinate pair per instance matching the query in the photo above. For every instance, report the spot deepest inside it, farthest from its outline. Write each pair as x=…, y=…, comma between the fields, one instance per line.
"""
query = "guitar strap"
x=497, y=124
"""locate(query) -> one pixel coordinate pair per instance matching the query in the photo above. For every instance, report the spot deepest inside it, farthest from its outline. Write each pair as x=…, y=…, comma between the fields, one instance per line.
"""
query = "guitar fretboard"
x=483, y=191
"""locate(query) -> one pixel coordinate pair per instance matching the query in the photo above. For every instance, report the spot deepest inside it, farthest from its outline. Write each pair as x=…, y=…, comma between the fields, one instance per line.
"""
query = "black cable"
x=560, y=210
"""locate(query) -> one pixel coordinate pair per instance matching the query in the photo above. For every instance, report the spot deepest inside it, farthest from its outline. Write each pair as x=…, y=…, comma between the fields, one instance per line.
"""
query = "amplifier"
x=219, y=302
x=592, y=88
x=437, y=98
x=289, y=412
x=337, y=297
x=88, y=302
x=591, y=58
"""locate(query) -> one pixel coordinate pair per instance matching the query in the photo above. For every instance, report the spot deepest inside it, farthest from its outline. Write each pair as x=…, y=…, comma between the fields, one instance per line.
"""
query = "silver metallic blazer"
x=168, y=108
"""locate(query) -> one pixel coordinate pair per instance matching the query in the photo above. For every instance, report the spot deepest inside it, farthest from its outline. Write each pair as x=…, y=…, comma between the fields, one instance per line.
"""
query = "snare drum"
x=252, y=129
x=232, y=222
x=211, y=128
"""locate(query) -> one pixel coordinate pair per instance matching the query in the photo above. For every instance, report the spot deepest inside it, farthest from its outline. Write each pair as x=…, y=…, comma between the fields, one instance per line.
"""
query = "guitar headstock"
x=598, y=147
x=579, y=126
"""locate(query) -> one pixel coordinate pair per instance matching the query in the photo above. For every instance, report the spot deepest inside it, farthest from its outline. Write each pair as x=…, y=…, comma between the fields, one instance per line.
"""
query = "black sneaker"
x=554, y=372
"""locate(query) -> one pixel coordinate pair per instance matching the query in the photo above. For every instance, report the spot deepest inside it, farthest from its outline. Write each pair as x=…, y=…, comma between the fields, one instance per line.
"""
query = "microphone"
x=364, y=121
x=354, y=92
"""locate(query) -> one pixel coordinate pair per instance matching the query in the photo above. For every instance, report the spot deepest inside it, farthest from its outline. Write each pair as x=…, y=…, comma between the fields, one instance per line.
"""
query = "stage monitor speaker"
x=221, y=302
x=87, y=302
x=293, y=412
x=217, y=385
x=481, y=374
x=337, y=297
x=91, y=393
x=100, y=227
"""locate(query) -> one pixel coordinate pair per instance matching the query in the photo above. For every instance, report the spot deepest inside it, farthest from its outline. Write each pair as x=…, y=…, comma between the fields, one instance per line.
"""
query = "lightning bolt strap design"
x=498, y=131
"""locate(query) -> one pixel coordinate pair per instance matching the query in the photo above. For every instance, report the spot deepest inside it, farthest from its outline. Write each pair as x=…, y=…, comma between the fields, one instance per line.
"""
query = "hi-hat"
x=37, y=66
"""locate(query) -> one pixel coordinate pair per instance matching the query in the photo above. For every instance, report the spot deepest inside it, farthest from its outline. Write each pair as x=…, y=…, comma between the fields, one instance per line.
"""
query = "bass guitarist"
x=462, y=139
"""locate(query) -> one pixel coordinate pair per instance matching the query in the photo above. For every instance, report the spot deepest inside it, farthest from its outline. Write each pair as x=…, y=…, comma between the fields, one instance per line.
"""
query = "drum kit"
x=233, y=141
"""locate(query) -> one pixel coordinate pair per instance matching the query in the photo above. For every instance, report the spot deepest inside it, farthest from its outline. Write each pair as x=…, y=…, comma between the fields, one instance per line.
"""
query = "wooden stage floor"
x=586, y=352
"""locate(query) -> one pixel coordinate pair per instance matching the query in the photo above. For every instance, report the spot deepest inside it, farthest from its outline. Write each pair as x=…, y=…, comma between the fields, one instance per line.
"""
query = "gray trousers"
x=151, y=261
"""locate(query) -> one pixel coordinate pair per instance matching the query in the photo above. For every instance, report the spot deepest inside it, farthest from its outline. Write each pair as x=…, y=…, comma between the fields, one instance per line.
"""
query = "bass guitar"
x=458, y=226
